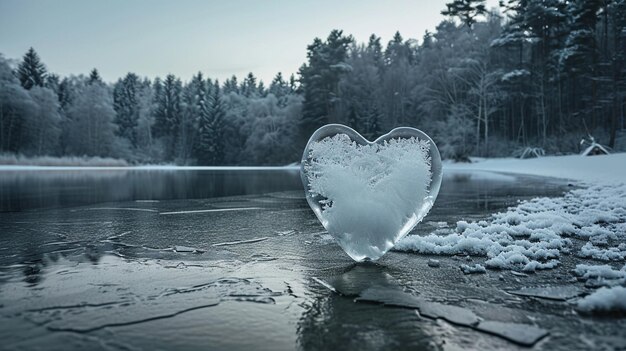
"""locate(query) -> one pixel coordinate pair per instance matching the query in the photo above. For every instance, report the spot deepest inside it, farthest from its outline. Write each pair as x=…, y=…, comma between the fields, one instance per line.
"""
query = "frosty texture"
x=368, y=195
x=534, y=234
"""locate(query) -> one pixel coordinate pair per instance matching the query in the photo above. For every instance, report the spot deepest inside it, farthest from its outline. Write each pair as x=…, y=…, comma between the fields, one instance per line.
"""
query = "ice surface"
x=180, y=248
x=560, y=293
x=434, y=310
x=523, y=334
x=526, y=335
x=120, y=209
x=249, y=241
x=369, y=195
x=99, y=296
x=212, y=210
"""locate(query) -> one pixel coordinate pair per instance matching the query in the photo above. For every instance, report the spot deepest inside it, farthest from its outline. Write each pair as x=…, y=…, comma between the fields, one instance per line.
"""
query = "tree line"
x=164, y=120
x=539, y=73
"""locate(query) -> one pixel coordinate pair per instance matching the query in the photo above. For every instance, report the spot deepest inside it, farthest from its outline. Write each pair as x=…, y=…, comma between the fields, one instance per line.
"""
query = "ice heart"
x=369, y=195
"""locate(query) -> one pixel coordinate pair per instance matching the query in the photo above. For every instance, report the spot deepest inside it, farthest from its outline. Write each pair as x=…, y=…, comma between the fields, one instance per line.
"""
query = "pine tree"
x=465, y=10
x=280, y=89
x=195, y=107
x=64, y=93
x=579, y=53
x=167, y=113
x=126, y=104
x=375, y=50
x=94, y=77
x=396, y=50
x=293, y=86
x=231, y=85
x=52, y=82
x=209, y=148
x=319, y=79
x=261, y=91
x=615, y=15
x=31, y=71
x=249, y=86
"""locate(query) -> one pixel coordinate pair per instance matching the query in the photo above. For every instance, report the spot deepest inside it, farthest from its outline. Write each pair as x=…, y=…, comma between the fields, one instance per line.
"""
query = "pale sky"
x=220, y=38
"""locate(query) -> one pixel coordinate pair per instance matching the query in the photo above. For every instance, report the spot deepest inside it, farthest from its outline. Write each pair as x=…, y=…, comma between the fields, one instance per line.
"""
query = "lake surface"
x=236, y=260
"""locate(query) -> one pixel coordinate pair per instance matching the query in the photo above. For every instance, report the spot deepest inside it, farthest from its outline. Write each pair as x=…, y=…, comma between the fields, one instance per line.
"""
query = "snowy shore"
x=588, y=222
x=604, y=168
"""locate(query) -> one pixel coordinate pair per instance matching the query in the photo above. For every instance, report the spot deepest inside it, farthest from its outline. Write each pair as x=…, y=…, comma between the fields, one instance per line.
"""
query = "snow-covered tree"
x=43, y=126
x=15, y=105
x=90, y=128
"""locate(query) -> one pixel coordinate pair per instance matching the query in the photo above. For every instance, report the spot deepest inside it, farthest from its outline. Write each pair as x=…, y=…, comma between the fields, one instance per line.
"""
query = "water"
x=237, y=260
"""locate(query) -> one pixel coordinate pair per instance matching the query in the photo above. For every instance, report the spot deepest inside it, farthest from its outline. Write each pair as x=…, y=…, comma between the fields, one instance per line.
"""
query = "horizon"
x=116, y=43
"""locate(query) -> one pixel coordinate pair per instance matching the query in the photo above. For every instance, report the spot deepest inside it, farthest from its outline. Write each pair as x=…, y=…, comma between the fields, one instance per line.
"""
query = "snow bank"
x=604, y=168
x=534, y=234
x=604, y=300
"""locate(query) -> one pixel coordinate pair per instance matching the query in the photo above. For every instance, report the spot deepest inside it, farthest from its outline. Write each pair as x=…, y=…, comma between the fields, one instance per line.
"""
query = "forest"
x=485, y=82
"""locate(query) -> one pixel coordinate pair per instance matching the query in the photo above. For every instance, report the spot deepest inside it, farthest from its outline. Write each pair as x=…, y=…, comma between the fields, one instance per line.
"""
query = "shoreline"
x=604, y=168
x=145, y=168
x=587, y=169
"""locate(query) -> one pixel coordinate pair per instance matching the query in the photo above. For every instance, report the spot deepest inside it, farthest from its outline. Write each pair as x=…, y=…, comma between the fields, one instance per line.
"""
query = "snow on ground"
x=535, y=234
x=600, y=275
x=603, y=168
x=604, y=300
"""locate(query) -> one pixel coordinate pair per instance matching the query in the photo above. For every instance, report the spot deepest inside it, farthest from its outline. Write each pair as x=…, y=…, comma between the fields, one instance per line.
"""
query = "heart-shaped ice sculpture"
x=369, y=195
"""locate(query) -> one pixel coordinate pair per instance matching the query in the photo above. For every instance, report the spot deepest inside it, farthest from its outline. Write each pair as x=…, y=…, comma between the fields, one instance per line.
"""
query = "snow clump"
x=534, y=234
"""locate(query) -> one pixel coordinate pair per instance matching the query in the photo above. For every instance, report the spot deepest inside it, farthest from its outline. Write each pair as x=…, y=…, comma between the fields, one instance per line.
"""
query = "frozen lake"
x=235, y=259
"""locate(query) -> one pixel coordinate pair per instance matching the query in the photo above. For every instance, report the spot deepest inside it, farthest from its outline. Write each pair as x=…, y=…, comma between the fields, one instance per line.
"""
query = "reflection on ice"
x=212, y=210
x=120, y=209
x=105, y=296
x=372, y=284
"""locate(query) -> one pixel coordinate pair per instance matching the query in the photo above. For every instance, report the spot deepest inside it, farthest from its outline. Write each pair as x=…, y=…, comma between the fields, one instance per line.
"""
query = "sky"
x=220, y=38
